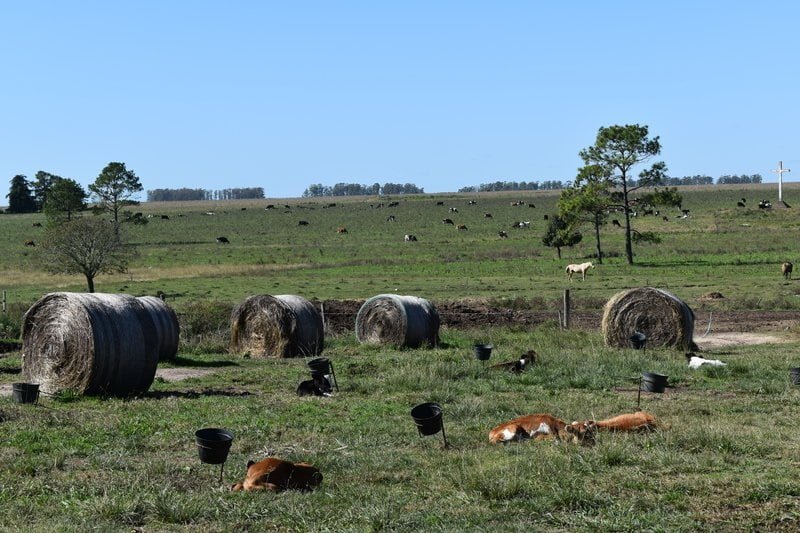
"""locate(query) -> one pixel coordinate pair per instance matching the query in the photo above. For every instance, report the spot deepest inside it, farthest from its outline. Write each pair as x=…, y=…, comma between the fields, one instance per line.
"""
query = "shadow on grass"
x=193, y=393
x=185, y=361
x=10, y=370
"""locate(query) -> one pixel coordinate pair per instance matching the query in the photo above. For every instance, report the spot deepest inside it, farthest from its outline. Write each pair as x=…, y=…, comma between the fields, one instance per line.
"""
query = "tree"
x=42, y=183
x=588, y=200
x=619, y=149
x=85, y=245
x=20, y=198
x=65, y=196
x=559, y=234
x=114, y=188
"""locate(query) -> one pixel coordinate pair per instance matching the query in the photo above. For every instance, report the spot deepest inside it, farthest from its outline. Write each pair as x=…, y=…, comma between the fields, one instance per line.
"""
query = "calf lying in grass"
x=544, y=427
x=277, y=475
x=640, y=421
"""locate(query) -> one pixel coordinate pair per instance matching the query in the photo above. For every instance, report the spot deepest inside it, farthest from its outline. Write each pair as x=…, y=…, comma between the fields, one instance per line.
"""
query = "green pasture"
x=724, y=459
x=720, y=247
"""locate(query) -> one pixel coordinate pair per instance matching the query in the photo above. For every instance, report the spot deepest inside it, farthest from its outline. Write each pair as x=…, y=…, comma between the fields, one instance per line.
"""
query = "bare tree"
x=86, y=245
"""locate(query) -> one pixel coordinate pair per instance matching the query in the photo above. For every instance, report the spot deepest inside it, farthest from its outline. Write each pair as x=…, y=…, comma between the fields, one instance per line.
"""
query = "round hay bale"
x=660, y=315
x=390, y=319
x=166, y=323
x=89, y=343
x=277, y=326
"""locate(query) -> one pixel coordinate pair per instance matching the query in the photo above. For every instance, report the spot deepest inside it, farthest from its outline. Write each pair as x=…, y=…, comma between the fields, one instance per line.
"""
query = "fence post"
x=566, y=308
x=4, y=300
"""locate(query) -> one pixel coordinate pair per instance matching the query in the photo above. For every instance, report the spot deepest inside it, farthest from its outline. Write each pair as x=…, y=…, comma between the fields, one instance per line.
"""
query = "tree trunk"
x=597, y=240
x=558, y=251
x=90, y=282
x=628, y=245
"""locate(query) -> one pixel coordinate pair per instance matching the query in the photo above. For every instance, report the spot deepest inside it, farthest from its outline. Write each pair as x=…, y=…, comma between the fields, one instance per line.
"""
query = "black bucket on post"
x=794, y=373
x=652, y=382
x=483, y=351
x=213, y=445
x=638, y=340
x=25, y=392
x=324, y=366
x=428, y=418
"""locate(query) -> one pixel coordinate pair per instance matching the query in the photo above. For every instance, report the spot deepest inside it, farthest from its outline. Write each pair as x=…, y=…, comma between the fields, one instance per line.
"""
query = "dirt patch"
x=179, y=374
x=720, y=340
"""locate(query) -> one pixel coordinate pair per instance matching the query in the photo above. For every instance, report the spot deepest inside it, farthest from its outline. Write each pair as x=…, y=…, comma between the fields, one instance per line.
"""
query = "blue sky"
x=282, y=95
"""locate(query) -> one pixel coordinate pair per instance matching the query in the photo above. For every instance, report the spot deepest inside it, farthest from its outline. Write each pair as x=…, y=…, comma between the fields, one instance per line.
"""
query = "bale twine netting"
x=91, y=343
x=167, y=328
x=277, y=326
x=663, y=317
x=403, y=321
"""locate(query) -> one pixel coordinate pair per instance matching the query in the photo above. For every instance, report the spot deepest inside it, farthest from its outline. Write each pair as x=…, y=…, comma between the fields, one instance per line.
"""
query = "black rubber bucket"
x=428, y=418
x=483, y=351
x=320, y=364
x=653, y=382
x=794, y=373
x=323, y=366
x=25, y=392
x=213, y=444
x=638, y=340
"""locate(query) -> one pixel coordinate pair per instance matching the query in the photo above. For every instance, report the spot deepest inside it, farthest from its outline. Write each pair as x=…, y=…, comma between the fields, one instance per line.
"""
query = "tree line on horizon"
x=185, y=194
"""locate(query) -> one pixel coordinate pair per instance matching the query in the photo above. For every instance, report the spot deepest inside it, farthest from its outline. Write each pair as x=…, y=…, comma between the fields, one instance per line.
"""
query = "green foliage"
x=65, y=197
x=559, y=234
x=205, y=327
x=114, y=188
x=20, y=198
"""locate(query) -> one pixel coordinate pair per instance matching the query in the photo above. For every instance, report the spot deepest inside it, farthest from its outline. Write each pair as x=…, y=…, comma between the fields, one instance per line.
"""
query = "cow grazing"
x=461, y=227
x=30, y=243
x=439, y=203
x=531, y=206
x=39, y=224
x=341, y=229
x=391, y=218
x=472, y=202
x=164, y=217
x=786, y=270
x=453, y=210
x=270, y=206
x=582, y=268
x=764, y=204
x=223, y=240
x=302, y=222
x=665, y=218
x=393, y=204
x=276, y=475
x=616, y=223
x=741, y=203
x=502, y=234
x=447, y=221
x=410, y=238
x=487, y=215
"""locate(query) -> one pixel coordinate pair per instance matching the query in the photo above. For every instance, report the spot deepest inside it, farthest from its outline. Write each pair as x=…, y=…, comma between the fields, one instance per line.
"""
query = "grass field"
x=725, y=458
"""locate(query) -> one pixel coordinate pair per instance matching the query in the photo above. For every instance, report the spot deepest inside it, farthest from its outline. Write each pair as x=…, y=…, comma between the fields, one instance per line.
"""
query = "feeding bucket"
x=483, y=351
x=323, y=366
x=213, y=444
x=25, y=392
x=638, y=340
x=794, y=373
x=428, y=418
x=652, y=382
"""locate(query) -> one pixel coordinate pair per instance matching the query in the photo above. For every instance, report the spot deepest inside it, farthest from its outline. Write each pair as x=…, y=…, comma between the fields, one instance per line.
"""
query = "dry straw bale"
x=662, y=316
x=166, y=323
x=277, y=326
x=90, y=343
x=389, y=319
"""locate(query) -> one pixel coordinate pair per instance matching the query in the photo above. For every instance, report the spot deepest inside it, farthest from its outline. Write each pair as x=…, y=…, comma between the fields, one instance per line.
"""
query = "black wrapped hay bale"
x=90, y=343
x=664, y=319
x=166, y=323
x=390, y=319
x=277, y=326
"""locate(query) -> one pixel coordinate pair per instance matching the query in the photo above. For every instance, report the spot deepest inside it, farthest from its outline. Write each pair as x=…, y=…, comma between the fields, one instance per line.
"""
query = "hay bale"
x=89, y=343
x=166, y=323
x=277, y=326
x=390, y=319
x=662, y=316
